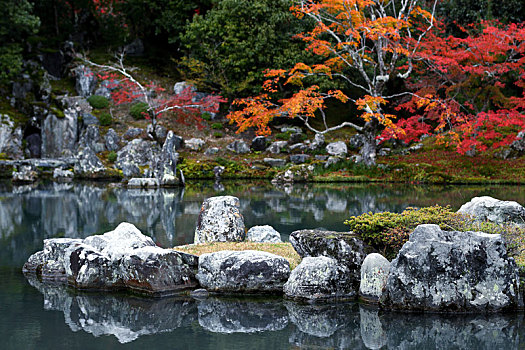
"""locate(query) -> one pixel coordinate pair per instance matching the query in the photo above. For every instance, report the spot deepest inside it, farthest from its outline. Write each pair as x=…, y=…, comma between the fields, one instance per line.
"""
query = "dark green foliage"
x=98, y=102
x=139, y=110
x=285, y=136
x=387, y=231
x=206, y=116
x=105, y=119
x=112, y=156
x=217, y=134
x=237, y=40
x=217, y=126
x=16, y=24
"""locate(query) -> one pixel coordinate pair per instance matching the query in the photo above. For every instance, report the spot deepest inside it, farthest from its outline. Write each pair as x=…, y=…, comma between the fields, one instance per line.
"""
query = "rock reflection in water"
x=242, y=316
x=281, y=323
x=124, y=317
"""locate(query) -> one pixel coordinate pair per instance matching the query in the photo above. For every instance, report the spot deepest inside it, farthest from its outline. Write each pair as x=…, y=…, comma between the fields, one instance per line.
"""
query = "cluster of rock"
x=436, y=270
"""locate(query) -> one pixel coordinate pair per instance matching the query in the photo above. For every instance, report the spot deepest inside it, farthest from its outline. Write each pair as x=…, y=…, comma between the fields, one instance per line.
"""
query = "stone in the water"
x=372, y=332
x=491, y=209
x=246, y=271
x=320, y=279
x=200, y=293
x=62, y=175
x=220, y=220
x=165, y=166
x=120, y=259
x=26, y=173
x=137, y=153
x=263, y=234
x=451, y=271
x=374, y=274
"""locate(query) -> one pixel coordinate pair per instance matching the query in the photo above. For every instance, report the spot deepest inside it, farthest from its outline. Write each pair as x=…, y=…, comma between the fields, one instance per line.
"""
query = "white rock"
x=262, y=234
x=374, y=274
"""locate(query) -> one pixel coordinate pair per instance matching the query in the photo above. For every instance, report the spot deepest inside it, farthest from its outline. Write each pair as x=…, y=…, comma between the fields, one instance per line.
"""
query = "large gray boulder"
x=451, y=271
x=491, y=209
x=137, y=153
x=88, y=165
x=165, y=166
x=238, y=316
x=59, y=135
x=246, y=271
x=263, y=234
x=91, y=138
x=320, y=279
x=10, y=138
x=120, y=259
x=259, y=143
x=220, y=220
x=374, y=274
x=317, y=142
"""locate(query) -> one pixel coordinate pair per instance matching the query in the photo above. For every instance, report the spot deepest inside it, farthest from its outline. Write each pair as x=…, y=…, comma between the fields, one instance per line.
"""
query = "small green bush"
x=98, y=102
x=105, y=119
x=217, y=126
x=285, y=136
x=387, y=231
x=206, y=116
x=217, y=134
x=112, y=156
x=139, y=110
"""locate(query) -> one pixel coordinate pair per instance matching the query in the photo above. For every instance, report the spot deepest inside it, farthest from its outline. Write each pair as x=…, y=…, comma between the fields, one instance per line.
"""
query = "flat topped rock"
x=220, y=220
x=452, y=271
x=246, y=271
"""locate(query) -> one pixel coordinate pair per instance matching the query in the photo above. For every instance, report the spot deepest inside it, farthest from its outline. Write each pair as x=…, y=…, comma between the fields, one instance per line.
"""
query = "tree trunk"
x=369, y=149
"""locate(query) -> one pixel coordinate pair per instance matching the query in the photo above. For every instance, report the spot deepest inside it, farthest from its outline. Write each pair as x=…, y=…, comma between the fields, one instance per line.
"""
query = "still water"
x=38, y=316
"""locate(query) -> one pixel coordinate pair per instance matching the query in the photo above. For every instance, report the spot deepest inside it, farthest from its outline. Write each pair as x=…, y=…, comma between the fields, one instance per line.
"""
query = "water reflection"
x=340, y=326
x=31, y=213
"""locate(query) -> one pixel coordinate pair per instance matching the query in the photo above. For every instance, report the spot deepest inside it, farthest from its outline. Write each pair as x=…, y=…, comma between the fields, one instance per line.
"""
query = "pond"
x=34, y=315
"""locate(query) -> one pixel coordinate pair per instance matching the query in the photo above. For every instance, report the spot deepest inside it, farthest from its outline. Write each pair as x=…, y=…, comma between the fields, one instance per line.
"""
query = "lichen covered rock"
x=374, y=274
x=491, y=209
x=246, y=271
x=320, y=279
x=220, y=220
x=452, y=271
x=262, y=234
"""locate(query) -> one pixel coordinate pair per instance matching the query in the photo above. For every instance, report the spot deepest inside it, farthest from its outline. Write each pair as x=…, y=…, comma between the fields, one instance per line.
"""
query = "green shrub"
x=105, y=119
x=285, y=136
x=387, y=231
x=206, y=116
x=217, y=126
x=139, y=110
x=217, y=134
x=112, y=156
x=98, y=102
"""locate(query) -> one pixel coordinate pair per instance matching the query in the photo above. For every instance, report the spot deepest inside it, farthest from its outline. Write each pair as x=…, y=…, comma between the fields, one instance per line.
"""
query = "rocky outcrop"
x=320, y=279
x=263, y=234
x=119, y=259
x=132, y=133
x=246, y=271
x=374, y=274
x=25, y=173
x=277, y=147
x=85, y=81
x=88, y=164
x=137, y=153
x=491, y=209
x=220, y=220
x=299, y=158
x=112, y=140
x=452, y=271
x=91, y=138
x=165, y=166
x=10, y=138
x=59, y=135
x=62, y=175
x=337, y=148
x=317, y=142
x=275, y=162
x=238, y=316
x=239, y=147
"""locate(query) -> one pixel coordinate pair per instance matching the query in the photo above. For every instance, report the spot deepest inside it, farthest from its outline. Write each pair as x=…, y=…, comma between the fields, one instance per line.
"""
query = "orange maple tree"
x=376, y=39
